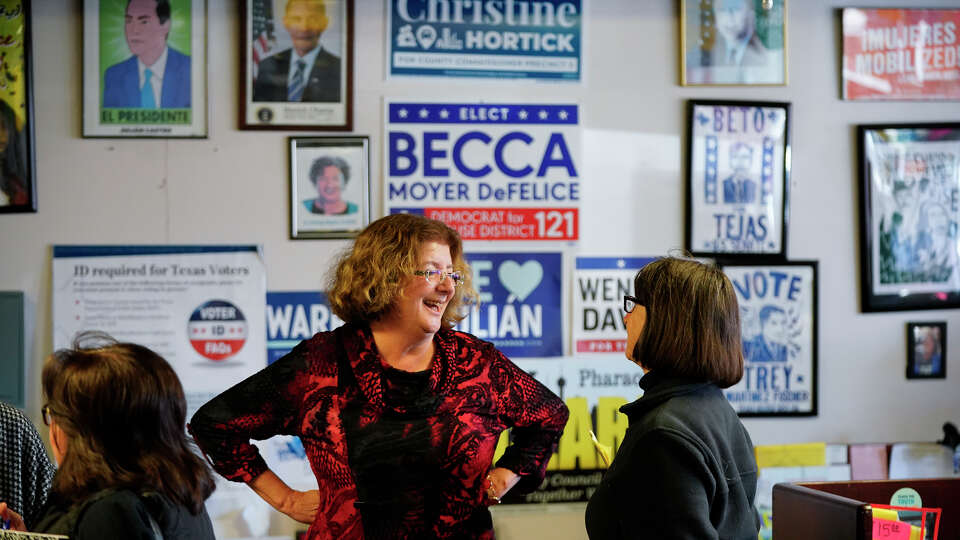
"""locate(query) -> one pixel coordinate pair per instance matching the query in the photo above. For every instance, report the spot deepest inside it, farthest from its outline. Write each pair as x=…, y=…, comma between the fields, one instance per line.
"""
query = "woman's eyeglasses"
x=436, y=277
x=630, y=302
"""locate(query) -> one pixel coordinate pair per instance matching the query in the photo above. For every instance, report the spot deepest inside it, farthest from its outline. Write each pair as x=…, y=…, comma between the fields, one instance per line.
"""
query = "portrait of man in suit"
x=306, y=72
x=155, y=75
x=770, y=344
x=739, y=187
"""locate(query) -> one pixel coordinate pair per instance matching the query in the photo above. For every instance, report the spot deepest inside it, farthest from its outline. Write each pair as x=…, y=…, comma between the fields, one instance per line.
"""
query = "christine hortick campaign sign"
x=486, y=38
x=293, y=316
x=520, y=303
x=599, y=287
x=493, y=171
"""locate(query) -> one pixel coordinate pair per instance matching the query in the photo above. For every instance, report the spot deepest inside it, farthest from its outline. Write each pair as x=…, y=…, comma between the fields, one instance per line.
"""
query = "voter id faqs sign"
x=493, y=171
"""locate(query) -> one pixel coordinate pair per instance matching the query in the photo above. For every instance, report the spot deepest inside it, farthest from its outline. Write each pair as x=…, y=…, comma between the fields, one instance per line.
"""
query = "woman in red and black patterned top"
x=399, y=413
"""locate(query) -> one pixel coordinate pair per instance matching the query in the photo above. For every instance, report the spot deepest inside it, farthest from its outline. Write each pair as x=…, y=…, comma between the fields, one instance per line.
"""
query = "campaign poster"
x=914, y=184
x=600, y=284
x=199, y=307
x=492, y=171
x=738, y=168
x=144, y=69
x=778, y=322
x=901, y=54
x=293, y=316
x=511, y=39
x=593, y=388
x=521, y=308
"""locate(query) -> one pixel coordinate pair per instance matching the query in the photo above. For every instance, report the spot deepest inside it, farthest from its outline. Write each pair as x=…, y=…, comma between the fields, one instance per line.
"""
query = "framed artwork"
x=909, y=216
x=738, y=177
x=297, y=65
x=145, y=68
x=329, y=186
x=733, y=42
x=18, y=191
x=900, y=54
x=778, y=321
x=926, y=350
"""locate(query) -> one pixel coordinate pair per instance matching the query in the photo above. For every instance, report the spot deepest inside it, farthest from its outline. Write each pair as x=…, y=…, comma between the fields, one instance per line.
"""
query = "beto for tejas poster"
x=199, y=307
x=514, y=39
x=492, y=171
x=600, y=284
x=521, y=303
x=778, y=324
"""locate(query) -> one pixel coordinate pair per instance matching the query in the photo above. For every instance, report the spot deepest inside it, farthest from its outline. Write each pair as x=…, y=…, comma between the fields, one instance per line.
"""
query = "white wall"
x=231, y=188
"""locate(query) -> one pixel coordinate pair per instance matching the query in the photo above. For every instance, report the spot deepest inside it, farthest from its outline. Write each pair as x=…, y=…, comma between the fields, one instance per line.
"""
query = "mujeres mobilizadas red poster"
x=901, y=54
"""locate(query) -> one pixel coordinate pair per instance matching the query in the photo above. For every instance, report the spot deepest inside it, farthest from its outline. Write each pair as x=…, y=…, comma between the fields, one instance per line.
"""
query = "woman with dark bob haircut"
x=399, y=413
x=127, y=469
x=685, y=468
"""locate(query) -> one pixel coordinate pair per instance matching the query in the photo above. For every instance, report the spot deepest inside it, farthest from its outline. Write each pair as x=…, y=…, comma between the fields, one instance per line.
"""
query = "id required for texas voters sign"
x=493, y=171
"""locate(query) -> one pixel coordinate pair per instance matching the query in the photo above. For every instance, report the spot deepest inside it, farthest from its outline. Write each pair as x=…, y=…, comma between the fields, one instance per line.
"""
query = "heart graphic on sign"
x=520, y=279
x=426, y=35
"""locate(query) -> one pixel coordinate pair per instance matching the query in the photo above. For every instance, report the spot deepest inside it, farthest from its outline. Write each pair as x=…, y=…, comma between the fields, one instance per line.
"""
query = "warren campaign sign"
x=293, y=316
x=520, y=302
x=493, y=171
x=600, y=285
x=538, y=39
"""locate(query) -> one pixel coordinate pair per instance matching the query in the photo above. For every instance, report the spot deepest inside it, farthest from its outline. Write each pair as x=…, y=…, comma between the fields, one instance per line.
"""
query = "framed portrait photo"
x=733, y=42
x=909, y=216
x=778, y=324
x=18, y=191
x=145, y=68
x=926, y=350
x=297, y=65
x=900, y=54
x=738, y=177
x=329, y=186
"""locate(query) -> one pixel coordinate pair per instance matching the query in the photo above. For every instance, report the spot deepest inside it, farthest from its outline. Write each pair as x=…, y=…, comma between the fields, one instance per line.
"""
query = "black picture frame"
x=927, y=350
x=745, y=214
x=909, y=181
x=266, y=50
x=310, y=158
x=18, y=190
x=779, y=303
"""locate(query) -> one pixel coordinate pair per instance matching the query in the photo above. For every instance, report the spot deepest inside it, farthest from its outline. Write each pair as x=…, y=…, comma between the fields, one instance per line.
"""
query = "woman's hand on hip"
x=498, y=482
x=301, y=505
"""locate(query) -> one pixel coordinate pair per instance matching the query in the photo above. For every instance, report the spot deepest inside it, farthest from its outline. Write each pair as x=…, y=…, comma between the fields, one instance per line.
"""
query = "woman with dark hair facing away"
x=126, y=466
x=685, y=468
x=399, y=414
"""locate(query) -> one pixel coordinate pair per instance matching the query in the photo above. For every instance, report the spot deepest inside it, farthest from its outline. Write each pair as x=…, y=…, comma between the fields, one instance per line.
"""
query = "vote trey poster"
x=199, y=307
x=778, y=318
x=515, y=39
x=738, y=177
x=293, y=316
x=520, y=308
x=901, y=54
x=600, y=284
x=493, y=171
